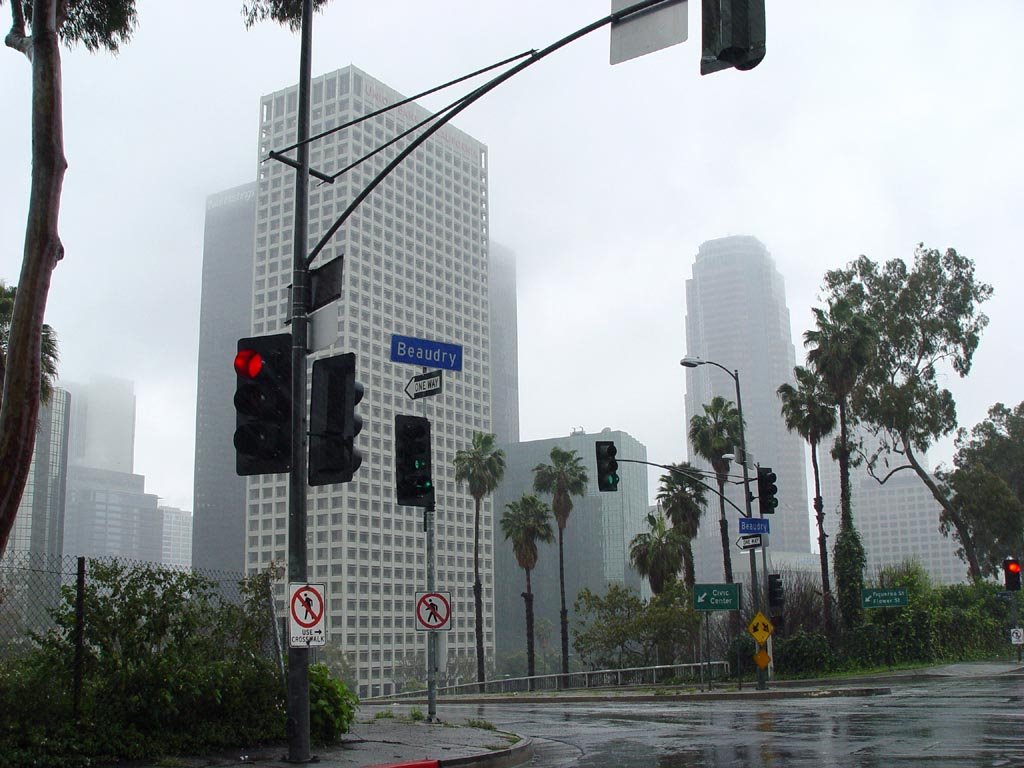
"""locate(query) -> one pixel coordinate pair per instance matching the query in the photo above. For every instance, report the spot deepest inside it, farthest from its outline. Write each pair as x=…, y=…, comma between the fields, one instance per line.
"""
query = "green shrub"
x=332, y=707
x=803, y=654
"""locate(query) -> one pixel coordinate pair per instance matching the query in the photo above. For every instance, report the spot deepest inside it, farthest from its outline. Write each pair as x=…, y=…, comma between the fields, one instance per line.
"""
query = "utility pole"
x=298, y=658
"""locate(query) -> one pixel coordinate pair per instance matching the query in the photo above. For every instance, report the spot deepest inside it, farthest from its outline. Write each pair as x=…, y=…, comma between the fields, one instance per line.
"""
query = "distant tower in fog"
x=736, y=315
x=501, y=291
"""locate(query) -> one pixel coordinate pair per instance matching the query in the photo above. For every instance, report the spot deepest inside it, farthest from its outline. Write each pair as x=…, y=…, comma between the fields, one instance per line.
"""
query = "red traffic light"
x=1013, y=566
x=248, y=363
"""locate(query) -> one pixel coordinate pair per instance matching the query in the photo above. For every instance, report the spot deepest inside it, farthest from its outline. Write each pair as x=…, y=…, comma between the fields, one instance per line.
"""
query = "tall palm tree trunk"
x=723, y=525
x=819, y=511
x=849, y=555
x=564, y=615
x=689, y=576
x=846, y=506
x=478, y=600
x=531, y=666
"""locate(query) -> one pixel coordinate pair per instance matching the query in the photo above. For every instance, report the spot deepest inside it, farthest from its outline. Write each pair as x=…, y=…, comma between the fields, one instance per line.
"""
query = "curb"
x=517, y=754
x=752, y=693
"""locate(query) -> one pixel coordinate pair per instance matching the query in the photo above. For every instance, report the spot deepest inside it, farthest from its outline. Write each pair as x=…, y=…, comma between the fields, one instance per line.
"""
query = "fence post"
x=79, y=636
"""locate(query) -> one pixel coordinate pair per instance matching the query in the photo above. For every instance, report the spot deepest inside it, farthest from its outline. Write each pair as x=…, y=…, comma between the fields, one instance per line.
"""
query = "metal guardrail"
x=667, y=674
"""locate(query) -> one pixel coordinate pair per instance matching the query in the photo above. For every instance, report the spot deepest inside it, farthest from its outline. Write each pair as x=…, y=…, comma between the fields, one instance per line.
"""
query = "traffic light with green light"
x=333, y=421
x=413, y=480
x=607, y=466
x=1011, y=574
x=263, y=405
x=767, y=490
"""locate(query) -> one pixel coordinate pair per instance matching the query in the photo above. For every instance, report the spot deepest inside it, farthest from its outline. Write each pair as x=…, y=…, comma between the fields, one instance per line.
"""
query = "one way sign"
x=424, y=385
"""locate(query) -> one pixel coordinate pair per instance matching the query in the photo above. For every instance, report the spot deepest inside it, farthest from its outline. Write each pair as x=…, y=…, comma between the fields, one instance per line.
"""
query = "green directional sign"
x=884, y=598
x=716, y=597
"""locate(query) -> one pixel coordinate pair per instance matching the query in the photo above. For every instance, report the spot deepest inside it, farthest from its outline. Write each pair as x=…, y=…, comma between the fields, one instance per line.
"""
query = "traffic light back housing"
x=333, y=421
x=607, y=466
x=1011, y=574
x=733, y=35
x=263, y=405
x=413, y=478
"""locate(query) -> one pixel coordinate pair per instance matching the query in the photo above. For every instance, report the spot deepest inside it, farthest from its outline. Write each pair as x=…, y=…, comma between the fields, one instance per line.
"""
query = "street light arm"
x=487, y=87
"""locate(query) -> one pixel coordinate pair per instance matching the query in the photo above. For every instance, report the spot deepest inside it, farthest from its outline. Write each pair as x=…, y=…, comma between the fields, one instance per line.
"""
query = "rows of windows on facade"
x=82, y=497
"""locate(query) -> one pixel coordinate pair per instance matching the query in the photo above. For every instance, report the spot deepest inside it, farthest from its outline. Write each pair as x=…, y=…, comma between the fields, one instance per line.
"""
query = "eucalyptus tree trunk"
x=819, y=511
x=19, y=407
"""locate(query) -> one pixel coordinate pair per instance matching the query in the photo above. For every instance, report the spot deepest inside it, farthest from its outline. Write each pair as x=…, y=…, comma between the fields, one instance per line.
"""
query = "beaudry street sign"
x=408, y=349
x=884, y=598
x=716, y=597
x=424, y=385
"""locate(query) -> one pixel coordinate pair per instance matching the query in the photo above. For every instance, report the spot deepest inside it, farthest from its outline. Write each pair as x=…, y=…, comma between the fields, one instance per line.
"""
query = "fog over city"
x=868, y=128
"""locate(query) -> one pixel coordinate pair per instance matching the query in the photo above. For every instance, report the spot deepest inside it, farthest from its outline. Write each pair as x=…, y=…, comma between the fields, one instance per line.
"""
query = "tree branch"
x=16, y=38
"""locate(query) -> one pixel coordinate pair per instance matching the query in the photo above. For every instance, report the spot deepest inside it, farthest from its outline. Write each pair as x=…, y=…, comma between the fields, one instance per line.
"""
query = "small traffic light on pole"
x=607, y=466
x=776, y=591
x=333, y=421
x=263, y=418
x=733, y=35
x=413, y=480
x=1011, y=574
x=767, y=491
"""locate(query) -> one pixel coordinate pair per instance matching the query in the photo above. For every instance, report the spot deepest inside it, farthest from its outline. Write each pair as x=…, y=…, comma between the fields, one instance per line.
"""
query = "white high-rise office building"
x=416, y=264
x=736, y=315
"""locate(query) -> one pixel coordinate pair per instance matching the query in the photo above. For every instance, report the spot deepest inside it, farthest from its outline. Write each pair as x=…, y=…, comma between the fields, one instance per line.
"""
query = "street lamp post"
x=694, y=362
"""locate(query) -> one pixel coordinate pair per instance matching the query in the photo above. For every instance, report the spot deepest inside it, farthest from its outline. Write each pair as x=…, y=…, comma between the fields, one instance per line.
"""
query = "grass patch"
x=384, y=714
x=482, y=724
x=416, y=715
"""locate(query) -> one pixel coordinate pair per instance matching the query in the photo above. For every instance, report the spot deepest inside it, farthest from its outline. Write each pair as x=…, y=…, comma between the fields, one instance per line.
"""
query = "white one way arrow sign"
x=424, y=385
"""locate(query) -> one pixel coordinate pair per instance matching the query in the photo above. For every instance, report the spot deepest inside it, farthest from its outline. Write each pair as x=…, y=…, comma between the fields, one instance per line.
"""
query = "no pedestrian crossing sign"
x=306, y=615
x=433, y=611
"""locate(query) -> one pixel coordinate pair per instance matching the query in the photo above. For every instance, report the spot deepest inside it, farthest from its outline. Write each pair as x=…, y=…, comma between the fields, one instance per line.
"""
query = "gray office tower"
x=39, y=527
x=415, y=265
x=736, y=315
x=501, y=290
x=225, y=312
x=596, y=538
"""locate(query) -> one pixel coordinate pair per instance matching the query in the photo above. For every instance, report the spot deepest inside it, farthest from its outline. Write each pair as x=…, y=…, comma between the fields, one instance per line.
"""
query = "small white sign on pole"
x=651, y=30
x=307, y=606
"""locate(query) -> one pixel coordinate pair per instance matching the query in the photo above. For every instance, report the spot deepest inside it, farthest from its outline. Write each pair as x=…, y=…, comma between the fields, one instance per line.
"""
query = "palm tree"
x=48, y=352
x=657, y=554
x=481, y=469
x=712, y=436
x=683, y=500
x=524, y=523
x=563, y=478
x=810, y=412
x=839, y=349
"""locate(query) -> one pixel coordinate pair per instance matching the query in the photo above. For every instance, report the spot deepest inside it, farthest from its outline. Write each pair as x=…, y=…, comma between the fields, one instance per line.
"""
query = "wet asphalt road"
x=953, y=721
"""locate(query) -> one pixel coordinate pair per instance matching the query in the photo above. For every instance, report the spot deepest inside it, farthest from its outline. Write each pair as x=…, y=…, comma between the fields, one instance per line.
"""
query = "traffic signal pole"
x=297, y=727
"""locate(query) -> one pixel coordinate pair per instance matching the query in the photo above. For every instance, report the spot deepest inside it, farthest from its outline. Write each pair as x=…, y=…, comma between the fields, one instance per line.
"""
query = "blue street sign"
x=406, y=349
x=754, y=525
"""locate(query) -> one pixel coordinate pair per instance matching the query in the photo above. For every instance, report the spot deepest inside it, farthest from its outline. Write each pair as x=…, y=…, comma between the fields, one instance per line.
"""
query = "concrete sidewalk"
x=389, y=741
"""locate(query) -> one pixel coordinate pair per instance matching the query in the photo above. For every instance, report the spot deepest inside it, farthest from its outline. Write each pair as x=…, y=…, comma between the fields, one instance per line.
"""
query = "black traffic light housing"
x=413, y=479
x=733, y=35
x=607, y=466
x=767, y=490
x=263, y=405
x=776, y=591
x=1011, y=574
x=333, y=421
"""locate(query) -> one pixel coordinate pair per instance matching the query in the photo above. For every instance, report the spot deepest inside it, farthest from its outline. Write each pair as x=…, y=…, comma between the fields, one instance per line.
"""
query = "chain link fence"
x=35, y=590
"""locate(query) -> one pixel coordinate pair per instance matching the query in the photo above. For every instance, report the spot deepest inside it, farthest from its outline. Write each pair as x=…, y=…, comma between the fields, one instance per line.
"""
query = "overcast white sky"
x=869, y=127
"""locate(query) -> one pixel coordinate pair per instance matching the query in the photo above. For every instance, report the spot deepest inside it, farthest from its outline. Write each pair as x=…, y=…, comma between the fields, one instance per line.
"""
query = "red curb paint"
x=413, y=764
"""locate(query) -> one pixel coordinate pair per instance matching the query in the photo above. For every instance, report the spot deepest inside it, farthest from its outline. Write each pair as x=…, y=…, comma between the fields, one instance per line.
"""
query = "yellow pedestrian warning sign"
x=760, y=629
